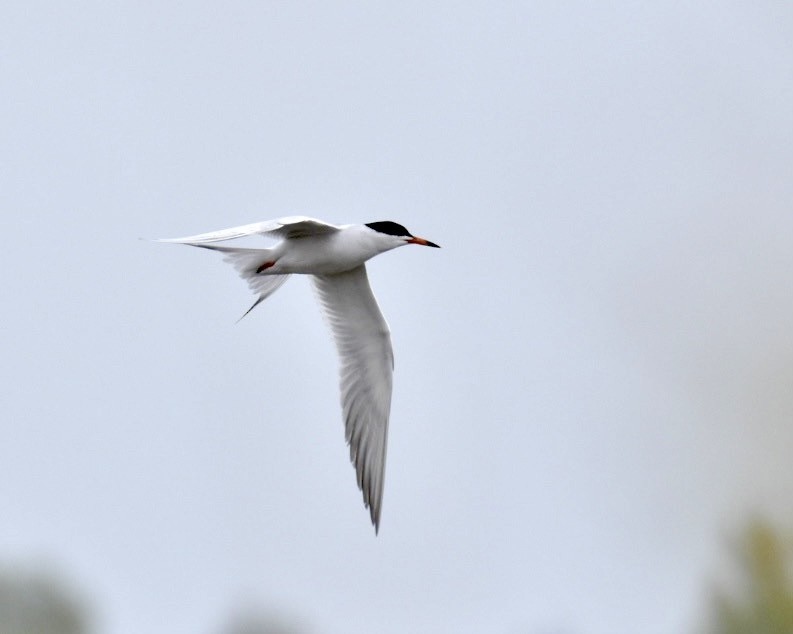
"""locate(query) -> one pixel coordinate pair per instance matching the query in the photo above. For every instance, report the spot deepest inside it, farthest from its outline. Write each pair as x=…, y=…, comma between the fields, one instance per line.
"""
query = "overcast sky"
x=593, y=375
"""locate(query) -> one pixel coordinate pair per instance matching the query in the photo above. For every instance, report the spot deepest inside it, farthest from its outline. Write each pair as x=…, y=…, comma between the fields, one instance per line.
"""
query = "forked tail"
x=251, y=264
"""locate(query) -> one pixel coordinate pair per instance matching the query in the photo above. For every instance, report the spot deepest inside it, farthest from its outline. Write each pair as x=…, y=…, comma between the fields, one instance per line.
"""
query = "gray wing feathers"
x=227, y=234
x=290, y=227
x=367, y=362
x=301, y=226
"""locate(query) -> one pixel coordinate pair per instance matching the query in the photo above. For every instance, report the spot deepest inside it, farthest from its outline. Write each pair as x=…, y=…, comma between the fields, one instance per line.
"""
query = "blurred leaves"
x=762, y=601
x=757, y=599
x=254, y=621
x=37, y=602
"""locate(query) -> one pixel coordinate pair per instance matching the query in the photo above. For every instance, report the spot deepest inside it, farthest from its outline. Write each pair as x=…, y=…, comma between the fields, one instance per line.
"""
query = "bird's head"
x=397, y=235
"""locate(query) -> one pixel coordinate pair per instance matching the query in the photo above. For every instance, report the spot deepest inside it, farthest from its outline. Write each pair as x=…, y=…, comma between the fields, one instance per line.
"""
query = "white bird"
x=334, y=256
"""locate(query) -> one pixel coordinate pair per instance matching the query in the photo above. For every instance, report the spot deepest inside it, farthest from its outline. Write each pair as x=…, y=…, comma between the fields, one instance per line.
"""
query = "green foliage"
x=762, y=603
x=38, y=603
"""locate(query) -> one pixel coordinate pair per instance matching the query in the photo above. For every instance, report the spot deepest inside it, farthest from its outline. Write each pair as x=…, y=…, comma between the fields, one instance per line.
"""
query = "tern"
x=334, y=256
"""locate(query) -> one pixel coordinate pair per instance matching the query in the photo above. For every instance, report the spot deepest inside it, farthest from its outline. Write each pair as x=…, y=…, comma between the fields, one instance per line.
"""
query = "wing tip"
x=174, y=241
x=374, y=502
x=375, y=515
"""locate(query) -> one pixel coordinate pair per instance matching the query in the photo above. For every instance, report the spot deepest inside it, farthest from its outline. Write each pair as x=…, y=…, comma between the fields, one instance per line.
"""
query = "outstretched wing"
x=289, y=227
x=367, y=364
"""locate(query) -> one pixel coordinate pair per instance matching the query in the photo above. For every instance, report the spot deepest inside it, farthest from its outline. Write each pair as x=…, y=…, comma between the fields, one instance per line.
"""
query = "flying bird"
x=334, y=256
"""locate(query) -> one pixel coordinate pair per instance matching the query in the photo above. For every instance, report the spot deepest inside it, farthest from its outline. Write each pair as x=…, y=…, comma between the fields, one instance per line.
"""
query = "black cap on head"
x=390, y=228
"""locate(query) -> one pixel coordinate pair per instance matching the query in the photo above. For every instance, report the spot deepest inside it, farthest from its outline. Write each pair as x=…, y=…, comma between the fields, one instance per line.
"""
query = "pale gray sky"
x=593, y=376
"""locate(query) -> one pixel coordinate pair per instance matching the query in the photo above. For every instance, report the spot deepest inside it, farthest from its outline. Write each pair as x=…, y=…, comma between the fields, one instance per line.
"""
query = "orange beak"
x=423, y=242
